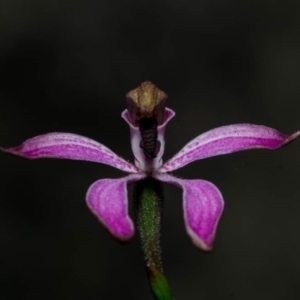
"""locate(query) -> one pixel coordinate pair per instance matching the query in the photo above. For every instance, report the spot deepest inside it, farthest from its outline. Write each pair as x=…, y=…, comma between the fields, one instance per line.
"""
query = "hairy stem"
x=148, y=202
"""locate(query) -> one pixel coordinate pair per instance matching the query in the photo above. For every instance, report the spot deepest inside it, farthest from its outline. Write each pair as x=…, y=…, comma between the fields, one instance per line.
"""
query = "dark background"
x=67, y=65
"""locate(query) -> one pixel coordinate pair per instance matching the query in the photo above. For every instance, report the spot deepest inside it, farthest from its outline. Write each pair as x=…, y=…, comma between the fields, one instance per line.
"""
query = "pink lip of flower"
x=107, y=198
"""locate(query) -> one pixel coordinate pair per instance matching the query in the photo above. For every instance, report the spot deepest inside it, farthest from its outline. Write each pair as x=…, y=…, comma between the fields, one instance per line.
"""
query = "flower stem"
x=148, y=202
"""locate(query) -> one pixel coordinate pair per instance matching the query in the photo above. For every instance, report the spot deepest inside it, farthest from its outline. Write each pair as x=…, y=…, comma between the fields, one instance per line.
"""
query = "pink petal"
x=141, y=161
x=69, y=146
x=228, y=139
x=202, y=206
x=107, y=199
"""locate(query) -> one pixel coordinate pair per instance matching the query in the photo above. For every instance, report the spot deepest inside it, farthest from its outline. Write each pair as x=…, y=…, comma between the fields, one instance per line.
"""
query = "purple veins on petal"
x=69, y=146
x=228, y=139
x=202, y=205
x=107, y=199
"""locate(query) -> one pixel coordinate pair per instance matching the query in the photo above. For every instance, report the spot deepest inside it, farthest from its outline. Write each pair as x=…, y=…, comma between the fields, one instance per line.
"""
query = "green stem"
x=148, y=202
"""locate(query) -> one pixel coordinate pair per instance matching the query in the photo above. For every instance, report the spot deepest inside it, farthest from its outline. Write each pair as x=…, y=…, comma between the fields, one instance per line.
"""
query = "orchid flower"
x=202, y=201
x=107, y=198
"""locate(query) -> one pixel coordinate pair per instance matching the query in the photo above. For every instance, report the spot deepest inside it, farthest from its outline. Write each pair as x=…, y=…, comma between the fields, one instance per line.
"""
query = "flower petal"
x=202, y=206
x=107, y=199
x=228, y=139
x=141, y=161
x=69, y=146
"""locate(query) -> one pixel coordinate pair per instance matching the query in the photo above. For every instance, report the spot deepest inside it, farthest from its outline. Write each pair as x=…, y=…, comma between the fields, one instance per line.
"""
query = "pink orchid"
x=107, y=198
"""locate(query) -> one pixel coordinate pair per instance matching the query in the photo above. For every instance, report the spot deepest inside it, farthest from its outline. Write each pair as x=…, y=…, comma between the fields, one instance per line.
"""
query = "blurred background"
x=67, y=65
